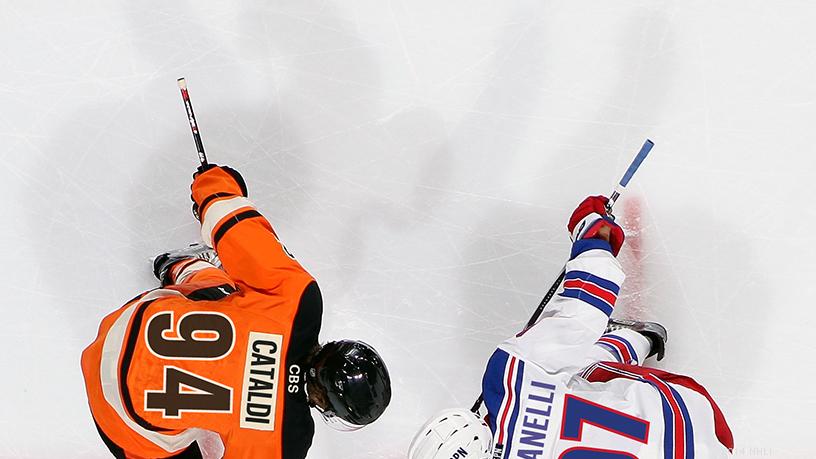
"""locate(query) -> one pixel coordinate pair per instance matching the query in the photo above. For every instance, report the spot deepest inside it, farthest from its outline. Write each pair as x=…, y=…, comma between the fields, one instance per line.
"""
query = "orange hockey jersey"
x=168, y=376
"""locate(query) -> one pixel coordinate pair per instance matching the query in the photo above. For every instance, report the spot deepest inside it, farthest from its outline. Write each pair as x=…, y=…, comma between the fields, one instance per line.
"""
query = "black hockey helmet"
x=356, y=381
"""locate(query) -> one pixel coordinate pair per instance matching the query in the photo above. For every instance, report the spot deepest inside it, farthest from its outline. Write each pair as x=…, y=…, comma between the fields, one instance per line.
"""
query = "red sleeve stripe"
x=508, y=400
x=621, y=348
x=593, y=289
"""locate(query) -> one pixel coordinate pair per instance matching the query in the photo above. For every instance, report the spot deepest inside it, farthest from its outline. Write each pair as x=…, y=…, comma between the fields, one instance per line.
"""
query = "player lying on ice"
x=573, y=386
x=225, y=362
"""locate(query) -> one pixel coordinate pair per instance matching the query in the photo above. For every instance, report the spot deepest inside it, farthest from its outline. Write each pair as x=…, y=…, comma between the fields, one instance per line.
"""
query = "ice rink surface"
x=421, y=159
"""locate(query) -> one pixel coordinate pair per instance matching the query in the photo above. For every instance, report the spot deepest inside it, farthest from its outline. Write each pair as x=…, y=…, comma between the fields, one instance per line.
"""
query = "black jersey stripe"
x=212, y=197
x=117, y=451
x=229, y=223
x=191, y=452
x=124, y=368
x=215, y=293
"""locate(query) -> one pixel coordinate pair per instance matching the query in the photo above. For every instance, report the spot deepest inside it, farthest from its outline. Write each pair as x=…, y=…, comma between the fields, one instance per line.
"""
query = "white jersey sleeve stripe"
x=217, y=211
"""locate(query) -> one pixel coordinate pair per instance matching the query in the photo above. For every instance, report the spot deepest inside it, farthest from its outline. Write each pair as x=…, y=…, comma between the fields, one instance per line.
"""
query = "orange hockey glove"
x=211, y=182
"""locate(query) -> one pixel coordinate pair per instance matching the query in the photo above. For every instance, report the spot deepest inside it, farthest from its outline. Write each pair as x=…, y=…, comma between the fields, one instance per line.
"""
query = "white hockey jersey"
x=564, y=389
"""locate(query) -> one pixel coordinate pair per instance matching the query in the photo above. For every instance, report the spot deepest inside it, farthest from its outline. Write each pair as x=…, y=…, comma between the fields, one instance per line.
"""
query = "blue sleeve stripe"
x=687, y=421
x=599, y=281
x=493, y=386
x=629, y=346
x=612, y=350
x=591, y=300
x=582, y=245
x=623, y=345
x=668, y=425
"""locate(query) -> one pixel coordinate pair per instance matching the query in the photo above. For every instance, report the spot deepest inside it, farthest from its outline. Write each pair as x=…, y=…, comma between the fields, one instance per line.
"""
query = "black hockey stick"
x=644, y=151
x=202, y=157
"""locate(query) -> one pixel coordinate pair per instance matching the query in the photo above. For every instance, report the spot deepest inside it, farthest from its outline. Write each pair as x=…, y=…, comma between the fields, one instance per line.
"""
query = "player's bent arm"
x=230, y=223
x=563, y=339
x=246, y=243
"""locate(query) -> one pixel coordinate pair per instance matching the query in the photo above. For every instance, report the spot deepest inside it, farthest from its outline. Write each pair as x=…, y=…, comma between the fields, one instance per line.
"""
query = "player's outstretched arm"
x=564, y=337
x=245, y=241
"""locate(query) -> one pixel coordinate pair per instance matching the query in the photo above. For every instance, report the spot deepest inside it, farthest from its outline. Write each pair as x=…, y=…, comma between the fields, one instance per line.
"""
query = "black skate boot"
x=653, y=331
x=162, y=263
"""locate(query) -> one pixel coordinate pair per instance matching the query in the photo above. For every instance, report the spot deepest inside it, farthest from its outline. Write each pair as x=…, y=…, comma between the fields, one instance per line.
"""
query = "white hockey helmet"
x=453, y=434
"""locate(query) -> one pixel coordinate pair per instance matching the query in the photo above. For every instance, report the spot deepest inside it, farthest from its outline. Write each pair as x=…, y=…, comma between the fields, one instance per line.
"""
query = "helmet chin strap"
x=309, y=382
x=337, y=423
x=329, y=418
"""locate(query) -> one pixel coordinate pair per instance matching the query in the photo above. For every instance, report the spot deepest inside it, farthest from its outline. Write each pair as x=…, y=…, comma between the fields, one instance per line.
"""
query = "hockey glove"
x=211, y=182
x=588, y=220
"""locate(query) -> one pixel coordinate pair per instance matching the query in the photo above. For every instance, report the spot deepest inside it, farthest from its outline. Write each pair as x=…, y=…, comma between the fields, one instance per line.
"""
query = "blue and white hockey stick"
x=642, y=154
x=624, y=181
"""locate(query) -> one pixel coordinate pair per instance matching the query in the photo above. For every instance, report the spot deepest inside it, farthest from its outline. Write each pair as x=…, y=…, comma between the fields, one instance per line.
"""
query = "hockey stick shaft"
x=185, y=95
x=627, y=176
x=642, y=154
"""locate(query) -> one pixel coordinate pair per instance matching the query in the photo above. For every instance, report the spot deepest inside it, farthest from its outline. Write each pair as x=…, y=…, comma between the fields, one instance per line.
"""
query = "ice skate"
x=653, y=331
x=163, y=262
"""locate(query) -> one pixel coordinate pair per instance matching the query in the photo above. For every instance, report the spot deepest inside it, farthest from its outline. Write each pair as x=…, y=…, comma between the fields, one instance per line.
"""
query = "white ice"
x=420, y=158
